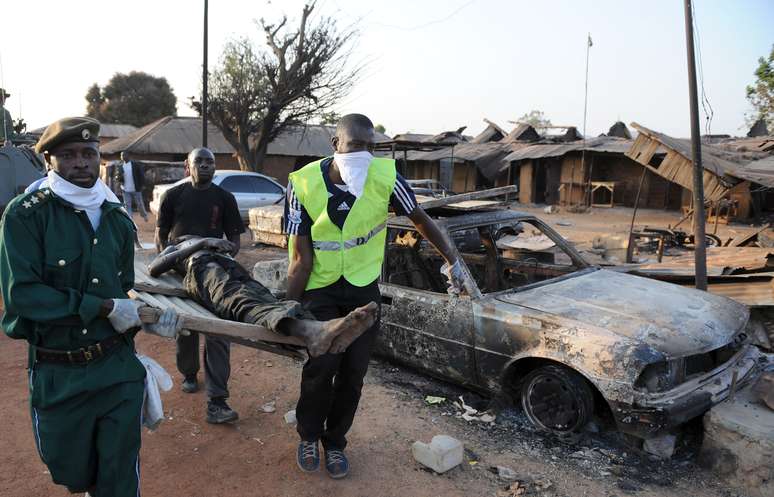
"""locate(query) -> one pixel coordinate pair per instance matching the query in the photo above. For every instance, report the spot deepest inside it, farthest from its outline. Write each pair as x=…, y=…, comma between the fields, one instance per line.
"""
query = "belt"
x=67, y=321
x=80, y=356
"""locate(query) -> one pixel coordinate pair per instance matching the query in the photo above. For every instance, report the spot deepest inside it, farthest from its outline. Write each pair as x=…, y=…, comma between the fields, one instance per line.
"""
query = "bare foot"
x=367, y=316
x=319, y=335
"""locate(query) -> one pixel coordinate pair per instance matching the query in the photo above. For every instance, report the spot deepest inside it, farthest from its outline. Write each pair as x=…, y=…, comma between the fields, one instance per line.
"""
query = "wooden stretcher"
x=167, y=291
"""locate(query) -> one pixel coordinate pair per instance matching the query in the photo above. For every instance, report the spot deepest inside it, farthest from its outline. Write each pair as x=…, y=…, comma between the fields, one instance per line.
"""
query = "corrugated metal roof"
x=720, y=161
x=105, y=130
x=601, y=144
x=751, y=293
x=115, y=130
x=759, y=171
x=720, y=260
x=465, y=151
x=522, y=132
x=180, y=135
x=492, y=133
x=169, y=135
x=313, y=140
x=412, y=137
x=713, y=159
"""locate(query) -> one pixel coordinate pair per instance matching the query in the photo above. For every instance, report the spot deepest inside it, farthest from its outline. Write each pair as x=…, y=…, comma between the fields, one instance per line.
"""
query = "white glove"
x=455, y=277
x=124, y=315
x=167, y=326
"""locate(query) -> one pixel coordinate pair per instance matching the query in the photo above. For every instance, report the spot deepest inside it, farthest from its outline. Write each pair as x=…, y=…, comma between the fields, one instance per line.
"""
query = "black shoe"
x=219, y=412
x=308, y=456
x=336, y=463
x=190, y=385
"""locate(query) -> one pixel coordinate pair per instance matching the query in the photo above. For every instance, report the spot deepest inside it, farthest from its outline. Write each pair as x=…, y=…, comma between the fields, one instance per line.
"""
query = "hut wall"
x=526, y=186
x=573, y=179
x=657, y=192
x=279, y=166
x=419, y=169
x=741, y=195
x=464, y=177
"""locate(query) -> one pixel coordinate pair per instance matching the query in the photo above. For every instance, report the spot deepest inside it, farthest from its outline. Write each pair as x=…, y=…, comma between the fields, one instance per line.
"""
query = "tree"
x=136, y=98
x=330, y=118
x=761, y=93
x=536, y=119
x=256, y=93
x=379, y=128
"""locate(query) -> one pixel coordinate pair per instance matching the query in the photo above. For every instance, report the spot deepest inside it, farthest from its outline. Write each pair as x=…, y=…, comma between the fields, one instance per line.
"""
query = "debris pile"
x=525, y=487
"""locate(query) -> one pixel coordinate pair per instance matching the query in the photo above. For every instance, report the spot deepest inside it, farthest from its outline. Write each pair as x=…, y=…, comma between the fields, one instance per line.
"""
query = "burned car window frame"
x=400, y=228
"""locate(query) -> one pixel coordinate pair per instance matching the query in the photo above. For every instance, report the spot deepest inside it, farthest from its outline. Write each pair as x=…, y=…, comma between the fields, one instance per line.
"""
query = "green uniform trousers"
x=91, y=440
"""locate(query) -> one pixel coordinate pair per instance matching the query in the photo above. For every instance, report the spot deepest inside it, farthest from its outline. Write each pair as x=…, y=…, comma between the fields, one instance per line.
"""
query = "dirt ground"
x=187, y=457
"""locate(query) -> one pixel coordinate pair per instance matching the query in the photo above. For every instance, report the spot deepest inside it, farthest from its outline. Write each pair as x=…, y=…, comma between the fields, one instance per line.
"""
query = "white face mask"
x=87, y=199
x=354, y=170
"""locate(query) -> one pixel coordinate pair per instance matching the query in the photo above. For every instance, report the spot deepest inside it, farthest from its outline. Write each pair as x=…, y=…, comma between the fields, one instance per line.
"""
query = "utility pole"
x=589, y=44
x=204, y=81
x=700, y=252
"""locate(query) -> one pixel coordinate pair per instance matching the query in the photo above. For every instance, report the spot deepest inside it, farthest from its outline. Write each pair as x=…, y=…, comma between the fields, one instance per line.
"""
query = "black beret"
x=69, y=129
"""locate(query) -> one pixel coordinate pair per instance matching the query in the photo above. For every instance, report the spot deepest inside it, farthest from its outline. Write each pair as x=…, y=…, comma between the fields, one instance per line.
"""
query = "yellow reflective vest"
x=356, y=251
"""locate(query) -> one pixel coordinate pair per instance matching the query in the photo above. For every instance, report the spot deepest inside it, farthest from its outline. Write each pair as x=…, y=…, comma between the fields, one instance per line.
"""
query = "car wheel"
x=557, y=399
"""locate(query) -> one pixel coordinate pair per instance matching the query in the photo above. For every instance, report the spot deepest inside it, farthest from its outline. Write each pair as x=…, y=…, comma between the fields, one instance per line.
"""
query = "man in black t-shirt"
x=202, y=208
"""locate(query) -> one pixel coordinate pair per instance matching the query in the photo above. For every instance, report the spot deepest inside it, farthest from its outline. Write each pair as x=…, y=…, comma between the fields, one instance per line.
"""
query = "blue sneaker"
x=308, y=456
x=336, y=463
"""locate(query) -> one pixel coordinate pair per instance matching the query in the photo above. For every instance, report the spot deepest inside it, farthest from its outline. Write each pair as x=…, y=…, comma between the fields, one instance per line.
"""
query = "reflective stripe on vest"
x=348, y=244
x=355, y=251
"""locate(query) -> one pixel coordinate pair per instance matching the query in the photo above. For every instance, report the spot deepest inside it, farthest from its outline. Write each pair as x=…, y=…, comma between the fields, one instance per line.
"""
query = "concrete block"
x=739, y=444
x=441, y=454
x=267, y=218
x=272, y=274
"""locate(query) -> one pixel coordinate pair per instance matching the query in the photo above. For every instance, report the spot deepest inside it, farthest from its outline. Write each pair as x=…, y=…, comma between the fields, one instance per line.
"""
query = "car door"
x=429, y=331
x=243, y=189
x=268, y=192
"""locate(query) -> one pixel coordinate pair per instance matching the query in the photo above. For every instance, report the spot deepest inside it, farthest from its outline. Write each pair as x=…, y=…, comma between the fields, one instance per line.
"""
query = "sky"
x=430, y=65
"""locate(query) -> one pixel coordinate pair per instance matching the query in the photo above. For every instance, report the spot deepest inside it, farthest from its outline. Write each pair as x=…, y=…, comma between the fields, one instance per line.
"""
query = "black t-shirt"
x=212, y=212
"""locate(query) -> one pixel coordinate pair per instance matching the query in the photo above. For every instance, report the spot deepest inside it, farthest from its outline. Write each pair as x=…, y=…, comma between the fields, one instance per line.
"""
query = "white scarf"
x=354, y=170
x=86, y=199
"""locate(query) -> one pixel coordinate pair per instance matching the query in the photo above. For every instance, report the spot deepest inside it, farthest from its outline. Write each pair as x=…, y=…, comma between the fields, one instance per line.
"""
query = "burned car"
x=561, y=337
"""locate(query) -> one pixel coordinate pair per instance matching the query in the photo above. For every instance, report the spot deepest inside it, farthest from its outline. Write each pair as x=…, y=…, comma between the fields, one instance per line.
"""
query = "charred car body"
x=560, y=336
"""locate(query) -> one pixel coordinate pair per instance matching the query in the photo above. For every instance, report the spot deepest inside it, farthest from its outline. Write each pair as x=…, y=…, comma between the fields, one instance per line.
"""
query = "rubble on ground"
x=662, y=446
x=739, y=444
x=290, y=417
x=763, y=390
x=441, y=454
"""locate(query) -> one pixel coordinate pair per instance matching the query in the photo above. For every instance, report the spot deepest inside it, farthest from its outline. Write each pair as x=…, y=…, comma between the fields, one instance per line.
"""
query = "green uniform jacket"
x=55, y=271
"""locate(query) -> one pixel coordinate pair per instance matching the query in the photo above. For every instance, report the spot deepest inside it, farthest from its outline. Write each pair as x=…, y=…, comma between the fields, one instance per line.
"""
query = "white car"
x=249, y=189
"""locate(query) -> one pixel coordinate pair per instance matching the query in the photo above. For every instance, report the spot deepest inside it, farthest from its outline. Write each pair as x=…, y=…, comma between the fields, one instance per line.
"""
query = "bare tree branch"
x=256, y=93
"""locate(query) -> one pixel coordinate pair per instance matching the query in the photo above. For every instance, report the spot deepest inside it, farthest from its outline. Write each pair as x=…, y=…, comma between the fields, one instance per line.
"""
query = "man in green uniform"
x=66, y=263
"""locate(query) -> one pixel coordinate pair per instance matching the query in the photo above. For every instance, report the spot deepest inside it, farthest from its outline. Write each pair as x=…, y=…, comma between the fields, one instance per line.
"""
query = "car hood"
x=671, y=319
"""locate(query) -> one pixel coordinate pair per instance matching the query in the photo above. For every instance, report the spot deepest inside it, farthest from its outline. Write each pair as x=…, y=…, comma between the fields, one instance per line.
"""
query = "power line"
x=429, y=23
x=709, y=112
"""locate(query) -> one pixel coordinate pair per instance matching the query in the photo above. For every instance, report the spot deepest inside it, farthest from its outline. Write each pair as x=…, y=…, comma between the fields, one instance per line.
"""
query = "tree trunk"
x=244, y=154
x=259, y=157
x=244, y=164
